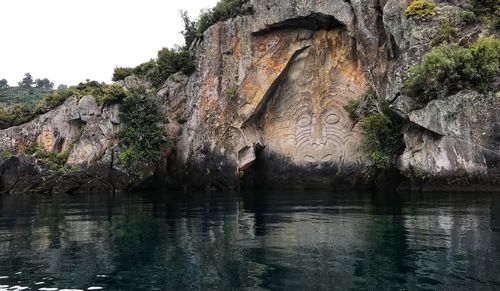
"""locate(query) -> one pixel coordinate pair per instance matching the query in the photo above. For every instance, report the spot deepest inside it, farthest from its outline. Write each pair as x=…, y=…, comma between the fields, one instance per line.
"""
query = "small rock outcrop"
x=455, y=141
x=81, y=129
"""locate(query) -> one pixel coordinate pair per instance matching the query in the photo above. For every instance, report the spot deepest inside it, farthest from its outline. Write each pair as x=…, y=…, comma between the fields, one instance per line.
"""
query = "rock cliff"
x=266, y=103
x=293, y=67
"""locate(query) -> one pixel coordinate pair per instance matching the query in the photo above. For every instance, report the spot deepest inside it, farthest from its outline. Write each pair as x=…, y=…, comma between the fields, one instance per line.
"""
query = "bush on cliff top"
x=157, y=71
x=224, y=10
x=170, y=61
x=22, y=113
x=446, y=69
x=419, y=8
x=120, y=73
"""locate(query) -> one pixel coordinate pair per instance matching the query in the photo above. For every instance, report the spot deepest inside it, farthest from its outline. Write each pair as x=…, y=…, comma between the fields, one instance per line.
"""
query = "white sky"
x=69, y=41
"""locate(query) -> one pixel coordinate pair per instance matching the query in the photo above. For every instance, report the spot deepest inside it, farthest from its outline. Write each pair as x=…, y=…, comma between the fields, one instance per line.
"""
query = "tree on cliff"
x=27, y=81
x=4, y=84
x=189, y=31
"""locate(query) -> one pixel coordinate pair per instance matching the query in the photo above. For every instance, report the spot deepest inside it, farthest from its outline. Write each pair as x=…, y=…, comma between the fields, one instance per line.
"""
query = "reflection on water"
x=495, y=213
x=276, y=240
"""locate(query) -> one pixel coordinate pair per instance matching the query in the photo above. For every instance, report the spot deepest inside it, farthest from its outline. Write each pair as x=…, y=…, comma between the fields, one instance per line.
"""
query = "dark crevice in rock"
x=393, y=50
x=274, y=86
x=314, y=21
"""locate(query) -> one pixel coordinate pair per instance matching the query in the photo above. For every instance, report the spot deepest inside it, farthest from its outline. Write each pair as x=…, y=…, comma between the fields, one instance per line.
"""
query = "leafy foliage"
x=22, y=112
x=168, y=62
x=484, y=11
x=4, y=84
x=468, y=17
x=171, y=61
x=44, y=83
x=111, y=94
x=121, y=73
x=383, y=140
x=7, y=155
x=27, y=81
x=352, y=108
x=143, y=137
x=53, y=160
x=231, y=92
x=445, y=33
x=52, y=100
x=190, y=31
x=223, y=10
x=419, y=8
x=448, y=68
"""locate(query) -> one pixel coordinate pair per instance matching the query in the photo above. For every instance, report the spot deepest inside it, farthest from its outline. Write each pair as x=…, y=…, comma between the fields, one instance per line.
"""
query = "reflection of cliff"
x=271, y=240
x=495, y=213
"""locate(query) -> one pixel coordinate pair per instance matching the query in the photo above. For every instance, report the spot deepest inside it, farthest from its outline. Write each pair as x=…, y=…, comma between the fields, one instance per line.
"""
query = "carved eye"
x=310, y=159
x=332, y=118
x=304, y=121
x=327, y=158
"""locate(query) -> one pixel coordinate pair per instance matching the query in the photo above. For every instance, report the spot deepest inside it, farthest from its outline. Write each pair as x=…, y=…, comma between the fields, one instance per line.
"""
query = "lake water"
x=255, y=241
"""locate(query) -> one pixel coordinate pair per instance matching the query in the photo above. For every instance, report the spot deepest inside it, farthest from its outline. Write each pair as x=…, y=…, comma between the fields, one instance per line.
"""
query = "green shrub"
x=121, y=73
x=468, y=17
x=52, y=100
x=143, y=69
x=53, y=160
x=22, y=113
x=143, y=137
x=382, y=129
x=223, y=10
x=419, y=8
x=93, y=88
x=181, y=119
x=445, y=33
x=231, y=92
x=448, y=68
x=111, y=94
x=171, y=61
x=7, y=155
x=168, y=62
x=487, y=12
x=382, y=139
x=352, y=108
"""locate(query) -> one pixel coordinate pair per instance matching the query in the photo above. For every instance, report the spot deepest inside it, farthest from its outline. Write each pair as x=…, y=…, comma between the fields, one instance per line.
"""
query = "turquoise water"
x=274, y=241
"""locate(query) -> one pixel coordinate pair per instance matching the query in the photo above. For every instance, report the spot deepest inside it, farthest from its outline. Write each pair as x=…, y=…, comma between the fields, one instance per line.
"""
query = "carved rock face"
x=306, y=120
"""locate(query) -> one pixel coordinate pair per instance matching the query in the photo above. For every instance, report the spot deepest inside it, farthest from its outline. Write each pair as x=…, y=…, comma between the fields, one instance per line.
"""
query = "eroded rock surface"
x=80, y=128
x=457, y=140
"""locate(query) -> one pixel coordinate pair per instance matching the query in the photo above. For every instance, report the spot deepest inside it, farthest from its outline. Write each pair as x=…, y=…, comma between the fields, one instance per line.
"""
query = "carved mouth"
x=319, y=142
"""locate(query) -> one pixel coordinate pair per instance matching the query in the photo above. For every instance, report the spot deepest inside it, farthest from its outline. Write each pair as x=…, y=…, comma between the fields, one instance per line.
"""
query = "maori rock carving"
x=305, y=119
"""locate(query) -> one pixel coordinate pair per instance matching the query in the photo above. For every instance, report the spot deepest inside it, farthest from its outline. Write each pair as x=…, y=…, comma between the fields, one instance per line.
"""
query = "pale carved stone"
x=306, y=120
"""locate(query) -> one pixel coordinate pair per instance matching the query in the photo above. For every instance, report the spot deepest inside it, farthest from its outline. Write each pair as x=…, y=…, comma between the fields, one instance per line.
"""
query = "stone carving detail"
x=306, y=120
